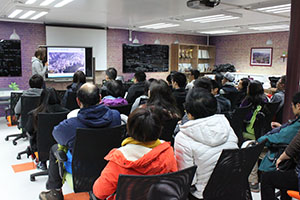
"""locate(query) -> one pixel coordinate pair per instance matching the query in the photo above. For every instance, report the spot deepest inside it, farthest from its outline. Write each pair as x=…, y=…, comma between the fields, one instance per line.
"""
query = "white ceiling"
x=130, y=14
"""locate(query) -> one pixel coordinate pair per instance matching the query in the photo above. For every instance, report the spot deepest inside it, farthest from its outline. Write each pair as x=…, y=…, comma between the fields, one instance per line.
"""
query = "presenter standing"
x=38, y=63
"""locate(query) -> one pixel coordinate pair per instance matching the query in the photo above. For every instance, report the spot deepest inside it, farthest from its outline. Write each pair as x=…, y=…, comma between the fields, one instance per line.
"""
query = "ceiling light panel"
x=212, y=18
x=39, y=15
x=273, y=27
x=276, y=9
x=27, y=14
x=159, y=26
x=63, y=3
x=218, y=32
x=30, y=2
x=15, y=13
x=46, y=2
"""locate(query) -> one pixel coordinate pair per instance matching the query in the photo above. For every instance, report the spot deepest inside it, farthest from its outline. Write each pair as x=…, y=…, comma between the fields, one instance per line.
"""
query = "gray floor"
x=17, y=186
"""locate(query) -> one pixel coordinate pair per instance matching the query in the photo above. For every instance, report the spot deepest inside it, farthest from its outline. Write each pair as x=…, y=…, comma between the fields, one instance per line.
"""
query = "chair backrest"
x=167, y=133
x=60, y=94
x=237, y=122
x=14, y=98
x=28, y=103
x=175, y=186
x=46, y=123
x=269, y=109
x=229, y=180
x=232, y=97
x=259, y=125
x=71, y=101
x=91, y=146
x=123, y=109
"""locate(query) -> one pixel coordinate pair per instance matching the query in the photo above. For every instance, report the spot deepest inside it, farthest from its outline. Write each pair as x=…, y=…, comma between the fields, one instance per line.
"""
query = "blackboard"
x=147, y=58
x=10, y=58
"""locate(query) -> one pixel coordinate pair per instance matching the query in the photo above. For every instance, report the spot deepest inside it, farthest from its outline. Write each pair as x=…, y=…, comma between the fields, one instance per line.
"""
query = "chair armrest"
x=61, y=156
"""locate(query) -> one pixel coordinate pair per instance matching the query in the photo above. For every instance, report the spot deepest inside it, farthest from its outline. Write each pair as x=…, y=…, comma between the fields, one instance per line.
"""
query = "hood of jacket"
x=96, y=116
x=34, y=59
x=211, y=131
x=153, y=162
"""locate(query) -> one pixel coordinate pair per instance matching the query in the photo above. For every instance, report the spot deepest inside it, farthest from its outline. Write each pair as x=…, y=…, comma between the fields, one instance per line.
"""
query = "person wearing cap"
x=228, y=85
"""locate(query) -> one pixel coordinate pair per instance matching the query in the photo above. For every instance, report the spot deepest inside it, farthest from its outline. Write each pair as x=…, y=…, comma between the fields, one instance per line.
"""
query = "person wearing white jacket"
x=202, y=139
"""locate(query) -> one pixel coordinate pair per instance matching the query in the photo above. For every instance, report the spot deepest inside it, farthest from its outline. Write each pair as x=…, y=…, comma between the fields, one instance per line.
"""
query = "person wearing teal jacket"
x=280, y=135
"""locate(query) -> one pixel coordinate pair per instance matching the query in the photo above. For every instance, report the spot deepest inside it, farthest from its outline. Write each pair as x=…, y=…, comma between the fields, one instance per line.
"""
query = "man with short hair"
x=91, y=115
x=36, y=83
x=179, y=92
x=280, y=91
x=110, y=74
x=194, y=76
x=137, y=89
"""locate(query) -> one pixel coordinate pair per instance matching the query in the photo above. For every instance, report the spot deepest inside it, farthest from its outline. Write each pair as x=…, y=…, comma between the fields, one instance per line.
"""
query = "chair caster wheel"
x=6, y=139
x=32, y=178
x=18, y=157
x=15, y=143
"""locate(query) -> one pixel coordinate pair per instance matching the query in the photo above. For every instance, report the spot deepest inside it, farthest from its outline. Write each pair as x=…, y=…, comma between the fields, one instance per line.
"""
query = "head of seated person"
x=204, y=83
x=194, y=74
x=36, y=81
x=255, y=94
x=88, y=95
x=280, y=85
x=296, y=104
x=243, y=84
x=178, y=80
x=169, y=78
x=115, y=93
x=160, y=96
x=111, y=74
x=139, y=76
x=200, y=104
x=78, y=80
x=228, y=78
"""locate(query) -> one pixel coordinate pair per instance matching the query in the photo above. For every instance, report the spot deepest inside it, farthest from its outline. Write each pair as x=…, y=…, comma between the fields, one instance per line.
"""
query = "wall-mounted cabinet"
x=187, y=56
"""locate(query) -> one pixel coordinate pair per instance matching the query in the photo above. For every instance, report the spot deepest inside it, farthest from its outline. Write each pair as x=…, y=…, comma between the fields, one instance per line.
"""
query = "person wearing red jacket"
x=141, y=154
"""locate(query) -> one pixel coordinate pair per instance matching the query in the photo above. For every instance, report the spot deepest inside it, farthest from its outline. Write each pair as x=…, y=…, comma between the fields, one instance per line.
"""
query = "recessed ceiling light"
x=30, y=1
x=212, y=18
x=218, y=32
x=27, y=14
x=41, y=14
x=276, y=9
x=159, y=26
x=63, y=3
x=46, y=2
x=15, y=13
x=273, y=27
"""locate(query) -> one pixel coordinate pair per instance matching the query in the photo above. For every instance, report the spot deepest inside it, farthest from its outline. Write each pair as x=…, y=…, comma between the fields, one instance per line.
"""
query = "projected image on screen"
x=63, y=62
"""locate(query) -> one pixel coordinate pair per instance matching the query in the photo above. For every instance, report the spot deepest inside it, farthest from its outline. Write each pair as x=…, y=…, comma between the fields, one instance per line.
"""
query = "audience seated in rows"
x=78, y=80
x=242, y=91
x=193, y=76
x=141, y=154
x=179, y=92
x=91, y=115
x=137, y=89
x=114, y=94
x=36, y=83
x=283, y=179
x=228, y=86
x=49, y=103
x=202, y=139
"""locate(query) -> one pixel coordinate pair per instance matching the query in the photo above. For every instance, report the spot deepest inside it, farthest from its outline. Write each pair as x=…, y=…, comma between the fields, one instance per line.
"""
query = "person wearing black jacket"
x=137, y=89
x=179, y=92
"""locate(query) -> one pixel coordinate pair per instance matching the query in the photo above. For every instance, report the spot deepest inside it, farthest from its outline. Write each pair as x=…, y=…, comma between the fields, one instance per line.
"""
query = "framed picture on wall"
x=261, y=56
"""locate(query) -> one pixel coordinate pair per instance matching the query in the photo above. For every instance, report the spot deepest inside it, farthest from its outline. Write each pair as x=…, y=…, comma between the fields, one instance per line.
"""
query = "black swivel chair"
x=27, y=104
x=10, y=110
x=60, y=94
x=269, y=109
x=167, y=133
x=156, y=187
x=124, y=109
x=71, y=103
x=232, y=97
x=229, y=180
x=91, y=146
x=45, y=140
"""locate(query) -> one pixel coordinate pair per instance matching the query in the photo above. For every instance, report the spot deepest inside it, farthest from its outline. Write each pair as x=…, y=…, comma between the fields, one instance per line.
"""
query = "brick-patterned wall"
x=236, y=50
x=31, y=36
x=116, y=37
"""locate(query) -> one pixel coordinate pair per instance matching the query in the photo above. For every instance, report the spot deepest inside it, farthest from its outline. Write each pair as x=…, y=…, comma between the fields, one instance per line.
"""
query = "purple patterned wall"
x=116, y=37
x=235, y=49
x=31, y=36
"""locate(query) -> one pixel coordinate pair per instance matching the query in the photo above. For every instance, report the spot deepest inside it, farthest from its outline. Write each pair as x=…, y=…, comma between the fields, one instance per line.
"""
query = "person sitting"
x=115, y=94
x=36, y=83
x=91, y=115
x=280, y=91
x=224, y=104
x=203, y=82
x=49, y=103
x=137, y=89
x=179, y=92
x=194, y=76
x=110, y=74
x=202, y=139
x=228, y=86
x=78, y=80
x=141, y=154
x=242, y=91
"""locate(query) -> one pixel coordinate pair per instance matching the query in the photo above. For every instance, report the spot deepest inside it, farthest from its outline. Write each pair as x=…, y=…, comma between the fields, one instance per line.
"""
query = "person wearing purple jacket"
x=91, y=115
x=115, y=93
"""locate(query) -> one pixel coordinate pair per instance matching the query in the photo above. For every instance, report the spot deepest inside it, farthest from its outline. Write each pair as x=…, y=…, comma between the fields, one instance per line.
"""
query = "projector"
x=202, y=4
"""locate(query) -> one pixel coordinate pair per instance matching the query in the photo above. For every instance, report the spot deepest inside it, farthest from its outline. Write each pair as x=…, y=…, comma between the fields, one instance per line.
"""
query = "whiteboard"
x=65, y=36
